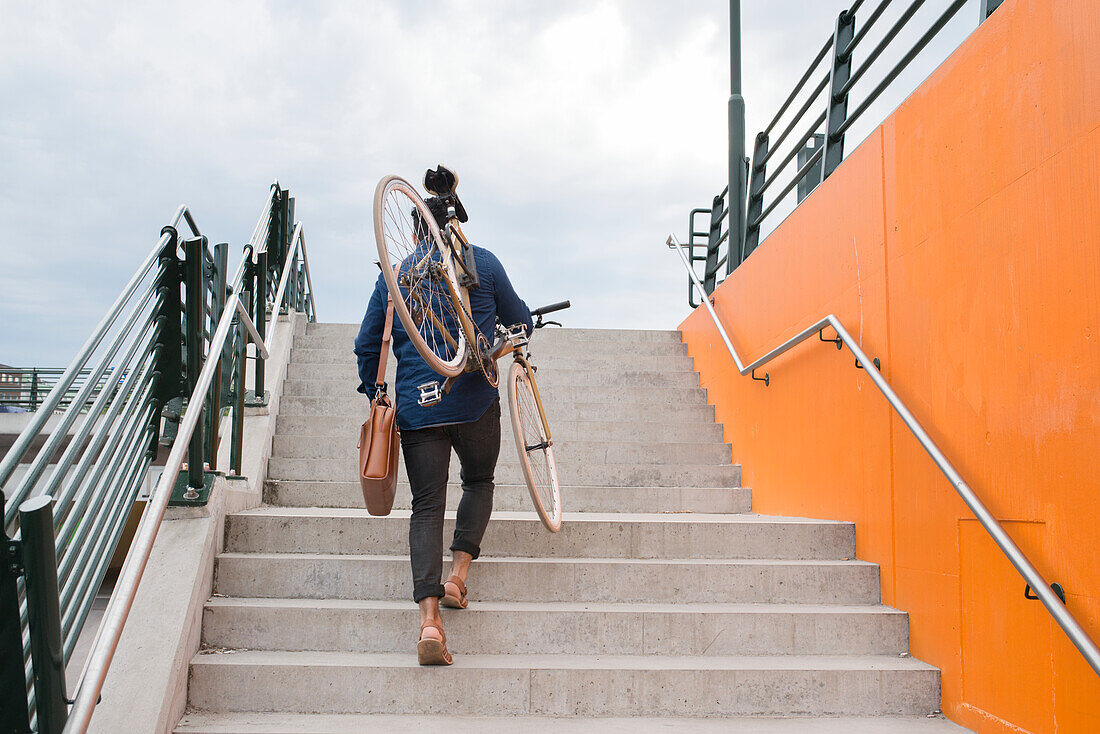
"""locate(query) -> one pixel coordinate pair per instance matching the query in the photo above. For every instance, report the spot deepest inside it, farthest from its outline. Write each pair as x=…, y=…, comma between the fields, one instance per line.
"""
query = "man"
x=467, y=420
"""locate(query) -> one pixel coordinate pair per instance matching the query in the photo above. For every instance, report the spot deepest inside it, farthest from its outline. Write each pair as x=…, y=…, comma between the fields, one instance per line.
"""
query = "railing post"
x=43, y=613
x=259, y=396
x=838, y=100
x=14, y=712
x=812, y=177
x=167, y=348
x=34, y=389
x=714, y=240
x=987, y=8
x=195, y=290
x=221, y=259
x=756, y=197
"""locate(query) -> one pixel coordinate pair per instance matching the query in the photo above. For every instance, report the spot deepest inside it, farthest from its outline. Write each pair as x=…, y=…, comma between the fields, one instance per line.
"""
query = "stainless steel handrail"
x=1054, y=605
x=122, y=599
x=299, y=242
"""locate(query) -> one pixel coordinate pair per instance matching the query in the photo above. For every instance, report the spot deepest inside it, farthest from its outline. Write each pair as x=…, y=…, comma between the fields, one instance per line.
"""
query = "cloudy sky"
x=583, y=132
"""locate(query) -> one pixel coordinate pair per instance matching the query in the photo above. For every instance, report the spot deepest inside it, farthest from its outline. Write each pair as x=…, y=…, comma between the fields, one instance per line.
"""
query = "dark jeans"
x=427, y=453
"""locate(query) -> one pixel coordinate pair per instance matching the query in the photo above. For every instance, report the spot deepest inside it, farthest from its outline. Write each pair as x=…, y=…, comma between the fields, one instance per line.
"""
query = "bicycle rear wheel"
x=420, y=275
x=536, y=455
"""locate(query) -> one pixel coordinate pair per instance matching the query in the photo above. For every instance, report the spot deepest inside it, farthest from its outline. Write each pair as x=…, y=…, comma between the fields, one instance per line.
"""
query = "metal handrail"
x=298, y=242
x=122, y=599
x=1023, y=565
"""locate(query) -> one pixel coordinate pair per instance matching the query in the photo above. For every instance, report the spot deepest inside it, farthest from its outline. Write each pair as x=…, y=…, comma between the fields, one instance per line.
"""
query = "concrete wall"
x=960, y=244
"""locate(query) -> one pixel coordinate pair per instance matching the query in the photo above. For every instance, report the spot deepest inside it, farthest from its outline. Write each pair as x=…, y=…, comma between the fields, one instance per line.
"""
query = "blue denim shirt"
x=494, y=301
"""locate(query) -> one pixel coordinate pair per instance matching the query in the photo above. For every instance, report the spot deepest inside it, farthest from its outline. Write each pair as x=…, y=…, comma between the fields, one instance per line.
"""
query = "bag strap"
x=380, y=380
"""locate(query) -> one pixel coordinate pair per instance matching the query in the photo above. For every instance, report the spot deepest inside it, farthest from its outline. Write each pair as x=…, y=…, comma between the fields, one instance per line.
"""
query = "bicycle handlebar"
x=551, y=308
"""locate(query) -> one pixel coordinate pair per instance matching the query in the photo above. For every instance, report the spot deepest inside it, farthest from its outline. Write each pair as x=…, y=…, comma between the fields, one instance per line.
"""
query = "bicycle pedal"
x=516, y=336
x=430, y=394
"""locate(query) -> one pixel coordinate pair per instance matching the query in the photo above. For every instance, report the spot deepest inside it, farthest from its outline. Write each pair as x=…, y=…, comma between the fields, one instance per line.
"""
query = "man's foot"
x=432, y=647
x=454, y=593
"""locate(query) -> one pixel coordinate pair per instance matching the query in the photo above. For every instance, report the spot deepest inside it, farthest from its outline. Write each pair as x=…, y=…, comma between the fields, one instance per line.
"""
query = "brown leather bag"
x=378, y=439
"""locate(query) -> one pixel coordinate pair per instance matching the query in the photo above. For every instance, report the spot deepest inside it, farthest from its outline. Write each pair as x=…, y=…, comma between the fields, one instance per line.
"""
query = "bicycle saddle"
x=442, y=182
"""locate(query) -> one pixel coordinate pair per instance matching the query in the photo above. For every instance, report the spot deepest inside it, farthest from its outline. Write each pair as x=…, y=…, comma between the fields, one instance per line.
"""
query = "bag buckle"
x=380, y=390
x=430, y=394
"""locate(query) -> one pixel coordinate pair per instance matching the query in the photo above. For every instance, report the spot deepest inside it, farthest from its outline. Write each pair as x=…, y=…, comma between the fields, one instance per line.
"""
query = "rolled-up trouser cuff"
x=424, y=592
x=466, y=547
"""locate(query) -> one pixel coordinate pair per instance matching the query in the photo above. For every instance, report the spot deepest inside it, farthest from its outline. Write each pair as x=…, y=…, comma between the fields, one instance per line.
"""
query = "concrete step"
x=576, y=374
x=355, y=405
x=521, y=534
x=515, y=497
x=552, y=333
x=642, y=396
x=287, y=723
x=508, y=472
x=541, y=346
x=563, y=685
x=544, y=358
x=590, y=430
x=322, y=576
x=498, y=628
x=566, y=451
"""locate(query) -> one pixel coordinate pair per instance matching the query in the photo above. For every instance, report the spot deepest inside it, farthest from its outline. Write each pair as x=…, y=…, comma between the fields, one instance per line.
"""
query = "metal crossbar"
x=1053, y=603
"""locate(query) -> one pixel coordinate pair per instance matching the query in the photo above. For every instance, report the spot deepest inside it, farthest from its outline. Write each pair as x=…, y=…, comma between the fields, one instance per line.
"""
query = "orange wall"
x=960, y=244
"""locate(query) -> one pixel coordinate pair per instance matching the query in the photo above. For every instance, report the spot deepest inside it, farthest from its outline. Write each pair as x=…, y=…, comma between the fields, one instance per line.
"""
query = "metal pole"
x=44, y=612
x=737, y=184
x=194, y=249
x=261, y=317
x=14, y=712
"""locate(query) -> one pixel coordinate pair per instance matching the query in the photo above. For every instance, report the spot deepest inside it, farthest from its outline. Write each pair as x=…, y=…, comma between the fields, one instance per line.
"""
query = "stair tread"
x=562, y=606
x=569, y=662
x=483, y=560
x=577, y=517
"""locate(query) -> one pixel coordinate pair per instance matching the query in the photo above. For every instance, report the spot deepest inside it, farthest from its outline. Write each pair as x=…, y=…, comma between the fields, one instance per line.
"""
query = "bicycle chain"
x=485, y=361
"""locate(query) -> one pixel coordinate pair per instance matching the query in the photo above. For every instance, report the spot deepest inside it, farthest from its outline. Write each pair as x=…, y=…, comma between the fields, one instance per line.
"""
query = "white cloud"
x=583, y=133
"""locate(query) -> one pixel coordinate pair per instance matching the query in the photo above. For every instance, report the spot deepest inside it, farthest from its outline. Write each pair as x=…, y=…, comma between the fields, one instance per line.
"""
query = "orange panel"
x=1005, y=638
x=961, y=243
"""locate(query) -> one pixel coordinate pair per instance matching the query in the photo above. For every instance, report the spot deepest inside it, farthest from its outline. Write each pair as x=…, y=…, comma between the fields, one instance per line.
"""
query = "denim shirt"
x=493, y=301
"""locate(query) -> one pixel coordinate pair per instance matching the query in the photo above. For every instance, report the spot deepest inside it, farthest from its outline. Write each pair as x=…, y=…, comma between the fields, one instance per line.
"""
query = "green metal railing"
x=810, y=126
x=24, y=388
x=173, y=349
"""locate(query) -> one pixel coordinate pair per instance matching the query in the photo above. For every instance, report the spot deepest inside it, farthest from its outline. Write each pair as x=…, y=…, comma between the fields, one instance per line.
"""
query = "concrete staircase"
x=662, y=597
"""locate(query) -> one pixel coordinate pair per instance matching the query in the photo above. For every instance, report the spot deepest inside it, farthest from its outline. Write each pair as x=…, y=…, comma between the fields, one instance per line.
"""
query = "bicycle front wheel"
x=536, y=455
x=420, y=275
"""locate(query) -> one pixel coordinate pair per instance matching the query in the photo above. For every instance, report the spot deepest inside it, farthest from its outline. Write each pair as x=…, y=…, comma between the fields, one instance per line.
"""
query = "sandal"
x=430, y=651
x=457, y=600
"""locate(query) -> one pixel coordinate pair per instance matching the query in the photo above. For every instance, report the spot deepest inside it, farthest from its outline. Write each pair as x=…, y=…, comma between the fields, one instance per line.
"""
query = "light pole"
x=737, y=183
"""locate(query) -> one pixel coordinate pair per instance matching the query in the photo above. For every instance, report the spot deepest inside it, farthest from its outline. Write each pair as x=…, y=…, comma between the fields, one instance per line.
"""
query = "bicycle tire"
x=536, y=458
x=436, y=330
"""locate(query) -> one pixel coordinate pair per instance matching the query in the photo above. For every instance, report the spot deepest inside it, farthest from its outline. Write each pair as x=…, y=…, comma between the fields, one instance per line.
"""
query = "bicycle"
x=430, y=271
